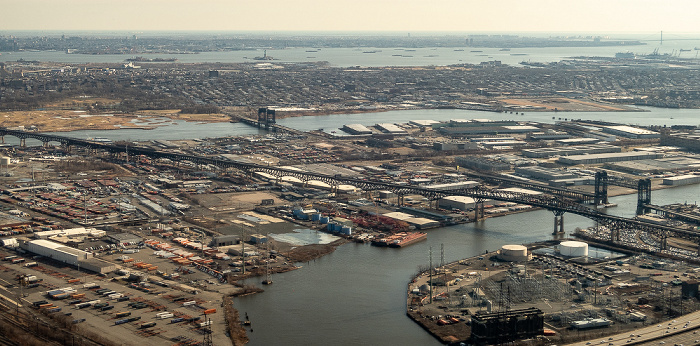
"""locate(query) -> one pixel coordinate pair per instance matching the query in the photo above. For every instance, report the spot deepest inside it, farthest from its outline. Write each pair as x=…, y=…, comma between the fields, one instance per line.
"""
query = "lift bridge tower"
x=266, y=118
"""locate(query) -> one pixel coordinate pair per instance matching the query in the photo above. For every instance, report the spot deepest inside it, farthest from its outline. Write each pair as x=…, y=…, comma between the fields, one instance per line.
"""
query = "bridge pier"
x=558, y=222
x=614, y=234
x=22, y=142
x=664, y=243
x=2, y=138
x=45, y=144
x=479, y=210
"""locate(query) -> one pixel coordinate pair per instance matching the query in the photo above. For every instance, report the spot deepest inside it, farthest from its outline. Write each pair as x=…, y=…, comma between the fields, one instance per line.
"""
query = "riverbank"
x=60, y=120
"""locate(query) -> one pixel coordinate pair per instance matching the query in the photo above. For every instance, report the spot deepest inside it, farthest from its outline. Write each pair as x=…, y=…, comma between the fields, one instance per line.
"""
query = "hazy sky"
x=353, y=15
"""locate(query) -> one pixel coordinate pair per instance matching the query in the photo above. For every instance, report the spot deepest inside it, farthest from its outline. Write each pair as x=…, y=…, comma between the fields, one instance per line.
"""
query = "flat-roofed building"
x=463, y=203
x=682, y=180
x=390, y=128
x=98, y=265
x=609, y=157
x=572, y=150
x=543, y=173
x=56, y=251
x=631, y=132
x=423, y=123
x=356, y=129
x=421, y=222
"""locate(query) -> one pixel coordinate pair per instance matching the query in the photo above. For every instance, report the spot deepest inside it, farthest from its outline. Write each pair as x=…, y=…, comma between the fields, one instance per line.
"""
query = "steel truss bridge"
x=558, y=205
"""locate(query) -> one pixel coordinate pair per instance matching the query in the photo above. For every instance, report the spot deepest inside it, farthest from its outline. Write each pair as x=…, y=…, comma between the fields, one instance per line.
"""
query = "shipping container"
x=204, y=324
x=177, y=320
x=147, y=325
x=164, y=316
x=40, y=302
x=209, y=311
x=122, y=314
x=108, y=307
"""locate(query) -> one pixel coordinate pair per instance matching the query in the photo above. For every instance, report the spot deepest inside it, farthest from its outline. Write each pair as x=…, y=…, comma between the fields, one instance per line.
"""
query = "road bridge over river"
x=557, y=204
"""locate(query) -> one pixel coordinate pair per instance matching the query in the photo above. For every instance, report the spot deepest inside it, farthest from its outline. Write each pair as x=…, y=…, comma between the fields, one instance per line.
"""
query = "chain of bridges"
x=559, y=201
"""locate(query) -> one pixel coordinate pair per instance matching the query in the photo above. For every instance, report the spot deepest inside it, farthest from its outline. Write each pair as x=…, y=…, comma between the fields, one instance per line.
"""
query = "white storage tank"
x=513, y=253
x=573, y=248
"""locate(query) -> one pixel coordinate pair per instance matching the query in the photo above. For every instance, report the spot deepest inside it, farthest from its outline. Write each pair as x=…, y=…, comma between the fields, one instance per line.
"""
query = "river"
x=357, y=295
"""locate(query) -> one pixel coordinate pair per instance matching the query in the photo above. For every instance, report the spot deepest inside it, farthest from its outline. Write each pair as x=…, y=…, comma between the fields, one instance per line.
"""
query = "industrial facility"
x=503, y=327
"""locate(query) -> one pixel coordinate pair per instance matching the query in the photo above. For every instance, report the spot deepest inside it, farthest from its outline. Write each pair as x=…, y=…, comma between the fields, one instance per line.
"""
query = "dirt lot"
x=566, y=105
x=234, y=201
x=71, y=120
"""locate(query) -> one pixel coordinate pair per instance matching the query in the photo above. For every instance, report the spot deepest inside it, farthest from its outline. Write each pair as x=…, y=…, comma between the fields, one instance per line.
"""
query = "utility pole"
x=430, y=276
x=444, y=271
x=85, y=206
x=243, y=251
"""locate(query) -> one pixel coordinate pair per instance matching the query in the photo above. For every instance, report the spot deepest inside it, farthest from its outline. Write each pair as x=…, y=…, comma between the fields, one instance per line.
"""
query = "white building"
x=56, y=251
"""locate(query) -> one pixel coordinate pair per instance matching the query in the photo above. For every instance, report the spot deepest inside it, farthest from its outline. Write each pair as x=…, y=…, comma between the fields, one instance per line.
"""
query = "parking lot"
x=109, y=297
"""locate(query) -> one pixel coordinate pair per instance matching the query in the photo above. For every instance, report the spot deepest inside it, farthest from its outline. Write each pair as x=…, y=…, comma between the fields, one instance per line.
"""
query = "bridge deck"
x=543, y=201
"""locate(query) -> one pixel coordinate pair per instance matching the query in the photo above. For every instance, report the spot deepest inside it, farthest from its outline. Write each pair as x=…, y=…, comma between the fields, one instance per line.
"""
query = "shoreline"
x=65, y=120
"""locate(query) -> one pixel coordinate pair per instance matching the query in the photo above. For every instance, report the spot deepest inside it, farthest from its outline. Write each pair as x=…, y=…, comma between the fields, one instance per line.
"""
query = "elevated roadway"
x=556, y=204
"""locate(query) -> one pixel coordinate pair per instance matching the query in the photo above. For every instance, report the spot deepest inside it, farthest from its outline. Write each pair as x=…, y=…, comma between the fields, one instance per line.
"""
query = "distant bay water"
x=373, y=57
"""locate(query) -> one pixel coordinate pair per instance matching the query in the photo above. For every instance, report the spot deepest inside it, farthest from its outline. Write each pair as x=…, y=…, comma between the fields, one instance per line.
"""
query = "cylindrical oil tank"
x=573, y=248
x=513, y=253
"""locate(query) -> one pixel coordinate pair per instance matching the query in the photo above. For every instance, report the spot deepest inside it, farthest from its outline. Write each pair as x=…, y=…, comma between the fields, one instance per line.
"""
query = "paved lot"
x=165, y=332
x=683, y=329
